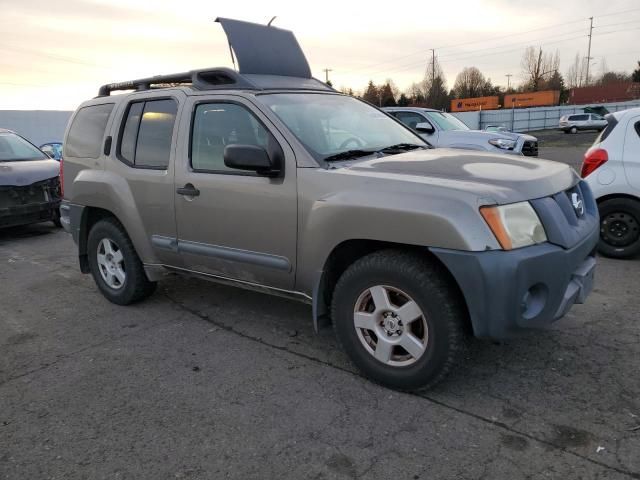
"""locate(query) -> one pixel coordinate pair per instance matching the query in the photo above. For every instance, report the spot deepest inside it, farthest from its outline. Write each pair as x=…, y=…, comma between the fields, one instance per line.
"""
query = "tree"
x=328, y=82
x=371, y=93
x=613, y=77
x=573, y=73
x=403, y=100
x=416, y=95
x=635, y=76
x=469, y=83
x=537, y=67
x=434, y=86
x=386, y=96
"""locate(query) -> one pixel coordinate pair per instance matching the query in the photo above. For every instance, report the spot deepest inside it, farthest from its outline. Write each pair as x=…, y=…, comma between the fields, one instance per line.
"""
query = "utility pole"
x=508, y=75
x=326, y=74
x=433, y=66
x=589, y=57
x=433, y=72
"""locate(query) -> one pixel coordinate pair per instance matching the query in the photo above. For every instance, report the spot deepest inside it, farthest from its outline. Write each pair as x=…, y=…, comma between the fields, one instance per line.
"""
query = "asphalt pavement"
x=203, y=381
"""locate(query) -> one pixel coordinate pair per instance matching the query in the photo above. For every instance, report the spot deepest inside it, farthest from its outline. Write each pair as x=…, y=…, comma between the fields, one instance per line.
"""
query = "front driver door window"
x=411, y=119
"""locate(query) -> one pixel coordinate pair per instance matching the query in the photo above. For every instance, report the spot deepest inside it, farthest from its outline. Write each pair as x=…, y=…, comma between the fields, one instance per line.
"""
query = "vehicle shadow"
x=562, y=379
x=21, y=232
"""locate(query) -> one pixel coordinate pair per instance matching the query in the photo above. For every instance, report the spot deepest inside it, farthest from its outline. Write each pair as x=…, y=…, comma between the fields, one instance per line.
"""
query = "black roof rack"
x=208, y=79
x=268, y=57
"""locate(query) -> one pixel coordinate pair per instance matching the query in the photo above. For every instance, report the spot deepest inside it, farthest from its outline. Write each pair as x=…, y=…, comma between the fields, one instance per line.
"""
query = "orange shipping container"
x=478, y=103
x=532, y=99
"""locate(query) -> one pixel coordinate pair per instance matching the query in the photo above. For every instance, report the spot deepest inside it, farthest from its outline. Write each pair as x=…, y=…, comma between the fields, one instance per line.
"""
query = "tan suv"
x=268, y=179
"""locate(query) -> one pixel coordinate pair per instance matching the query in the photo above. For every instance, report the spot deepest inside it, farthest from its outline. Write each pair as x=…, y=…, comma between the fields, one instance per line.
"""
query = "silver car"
x=582, y=121
x=441, y=129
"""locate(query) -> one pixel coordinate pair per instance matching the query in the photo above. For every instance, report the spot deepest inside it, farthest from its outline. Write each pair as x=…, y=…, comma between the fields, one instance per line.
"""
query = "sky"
x=55, y=54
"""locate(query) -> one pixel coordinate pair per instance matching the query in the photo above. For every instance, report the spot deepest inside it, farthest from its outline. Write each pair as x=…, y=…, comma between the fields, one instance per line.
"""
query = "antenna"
x=271, y=21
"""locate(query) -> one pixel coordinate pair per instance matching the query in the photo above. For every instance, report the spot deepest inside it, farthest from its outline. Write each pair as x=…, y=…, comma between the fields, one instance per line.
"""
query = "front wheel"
x=619, y=228
x=399, y=319
x=573, y=130
x=115, y=265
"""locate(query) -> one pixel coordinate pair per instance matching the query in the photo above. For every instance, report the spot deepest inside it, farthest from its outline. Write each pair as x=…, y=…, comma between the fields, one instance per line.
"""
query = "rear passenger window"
x=216, y=125
x=87, y=131
x=146, y=135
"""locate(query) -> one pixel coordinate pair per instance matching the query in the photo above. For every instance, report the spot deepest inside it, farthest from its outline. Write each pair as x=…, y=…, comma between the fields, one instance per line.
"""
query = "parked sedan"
x=582, y=121
x=29, y=183
x=441, y=129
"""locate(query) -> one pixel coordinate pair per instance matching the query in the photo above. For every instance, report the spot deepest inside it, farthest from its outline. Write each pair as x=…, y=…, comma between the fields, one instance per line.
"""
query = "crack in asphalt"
x=66, y=356
x=494, y=423
x=316, y=360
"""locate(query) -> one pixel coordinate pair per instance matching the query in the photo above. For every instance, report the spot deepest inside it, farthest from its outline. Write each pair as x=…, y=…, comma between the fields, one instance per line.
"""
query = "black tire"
x=136, y=286
x=619, y=228
x=428, y=285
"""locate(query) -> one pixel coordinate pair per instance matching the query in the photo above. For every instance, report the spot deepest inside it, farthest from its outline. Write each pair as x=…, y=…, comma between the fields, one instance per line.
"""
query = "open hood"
x=265, y=50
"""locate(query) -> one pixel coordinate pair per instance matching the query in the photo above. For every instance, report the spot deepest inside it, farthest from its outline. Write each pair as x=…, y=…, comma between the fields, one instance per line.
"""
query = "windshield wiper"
x=346, y=155
x=401, y=147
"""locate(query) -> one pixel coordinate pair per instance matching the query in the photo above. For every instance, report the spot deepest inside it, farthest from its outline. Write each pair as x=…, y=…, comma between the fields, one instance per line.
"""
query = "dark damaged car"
x=29, y=183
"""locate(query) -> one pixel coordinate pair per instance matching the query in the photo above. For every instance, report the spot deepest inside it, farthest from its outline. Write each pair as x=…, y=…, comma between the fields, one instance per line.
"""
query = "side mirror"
x=252, y=158
x=425, y=127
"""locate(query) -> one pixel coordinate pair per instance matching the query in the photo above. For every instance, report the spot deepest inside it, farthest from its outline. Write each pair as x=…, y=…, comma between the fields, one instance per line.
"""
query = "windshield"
x=328, y=125
x=15, y=148
x=446, y=121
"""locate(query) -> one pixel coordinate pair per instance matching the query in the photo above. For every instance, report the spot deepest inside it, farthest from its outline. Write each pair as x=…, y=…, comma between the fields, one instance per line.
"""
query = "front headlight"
x=515, y=225
x=503, y=143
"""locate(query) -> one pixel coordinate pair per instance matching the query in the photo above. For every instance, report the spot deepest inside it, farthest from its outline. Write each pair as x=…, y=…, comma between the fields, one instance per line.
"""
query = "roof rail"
x=206, y=79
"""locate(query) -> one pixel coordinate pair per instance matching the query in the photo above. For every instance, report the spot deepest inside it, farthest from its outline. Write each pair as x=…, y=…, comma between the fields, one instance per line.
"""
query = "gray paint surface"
x=37, y=126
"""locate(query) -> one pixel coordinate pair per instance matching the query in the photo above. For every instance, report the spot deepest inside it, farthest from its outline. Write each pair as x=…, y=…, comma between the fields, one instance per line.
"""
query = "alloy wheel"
x=390, y=325
x=111, y=263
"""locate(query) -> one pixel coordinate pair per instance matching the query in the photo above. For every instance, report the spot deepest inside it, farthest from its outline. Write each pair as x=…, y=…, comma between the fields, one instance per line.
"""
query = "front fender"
x=403, y=218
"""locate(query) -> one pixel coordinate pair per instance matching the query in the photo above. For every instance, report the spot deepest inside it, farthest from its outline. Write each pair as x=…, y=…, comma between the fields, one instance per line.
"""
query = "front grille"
x=39, y=192
x=530, y=148
x=568, y=216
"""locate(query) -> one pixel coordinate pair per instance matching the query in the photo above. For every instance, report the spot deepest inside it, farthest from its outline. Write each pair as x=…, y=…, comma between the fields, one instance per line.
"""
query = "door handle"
x=188, y=190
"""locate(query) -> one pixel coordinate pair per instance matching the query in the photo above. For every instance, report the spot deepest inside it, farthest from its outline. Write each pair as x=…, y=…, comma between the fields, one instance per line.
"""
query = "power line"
x=475, y=42
x=616, y=24
x=467, y=55
x=421, y=52
x=52, y=56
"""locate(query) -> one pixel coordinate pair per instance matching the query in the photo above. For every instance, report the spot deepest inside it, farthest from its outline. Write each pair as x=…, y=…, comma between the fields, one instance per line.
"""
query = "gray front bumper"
x=511, y=291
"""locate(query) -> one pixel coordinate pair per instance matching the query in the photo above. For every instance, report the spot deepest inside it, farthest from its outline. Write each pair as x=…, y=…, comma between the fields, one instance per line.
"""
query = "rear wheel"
x=115, y=265
x=619, y=228
x=399, y=319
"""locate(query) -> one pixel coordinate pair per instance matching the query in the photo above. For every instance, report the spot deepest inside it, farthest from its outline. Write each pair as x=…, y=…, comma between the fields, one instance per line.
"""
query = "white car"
x=441, y=129
x=612, y=169
x=582, y=121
